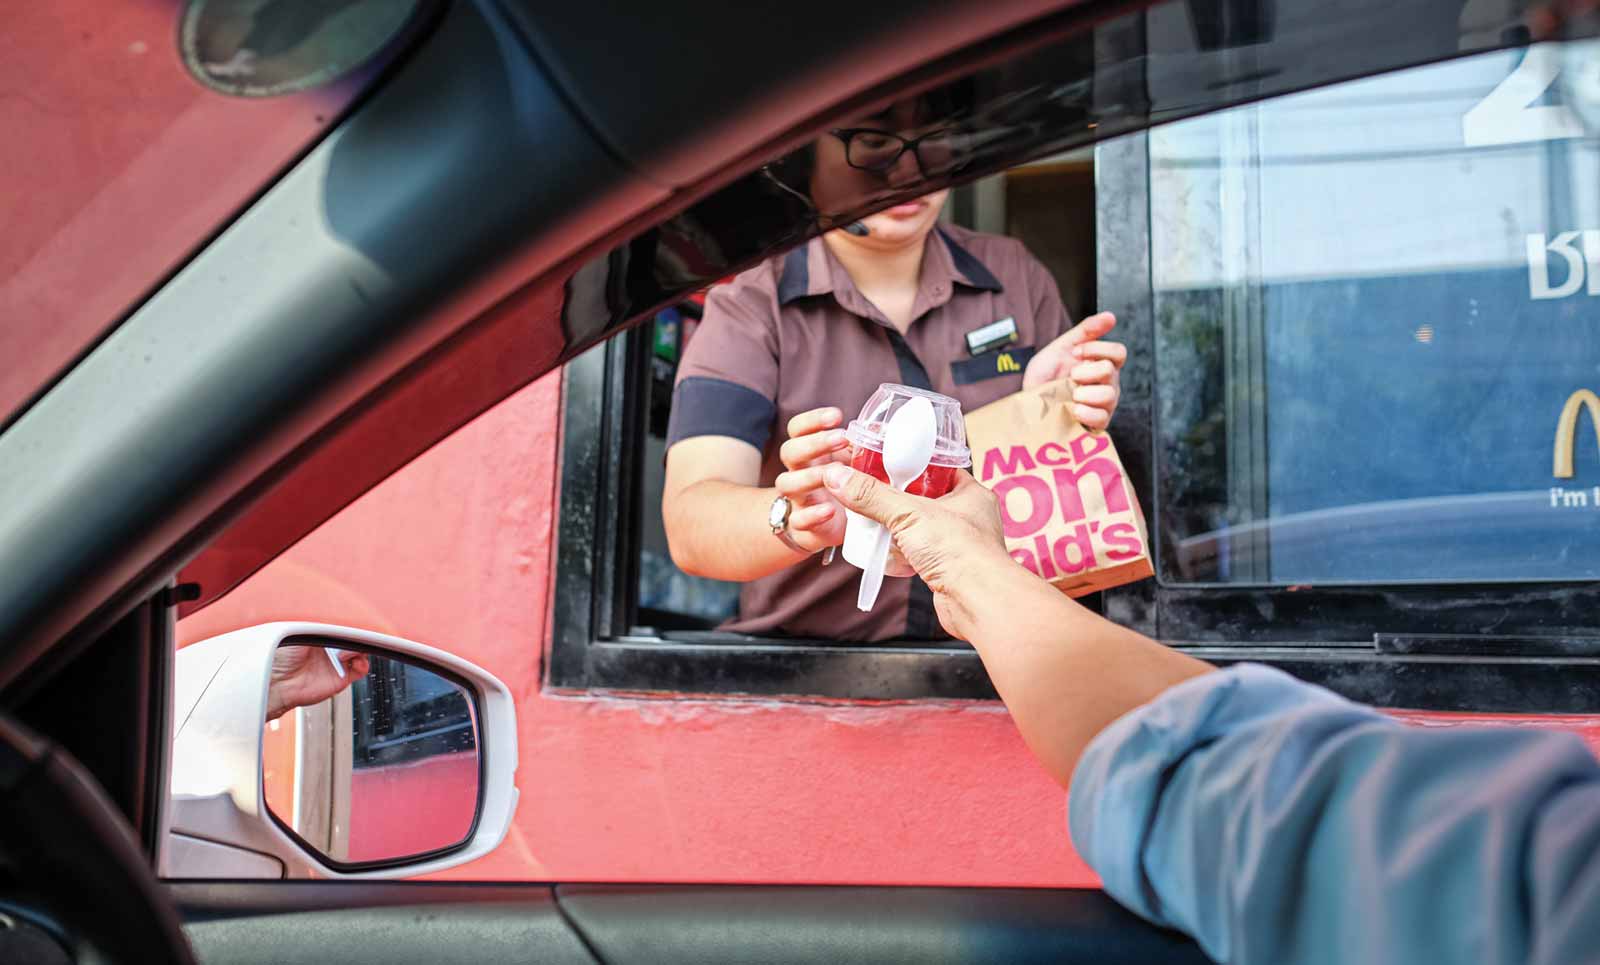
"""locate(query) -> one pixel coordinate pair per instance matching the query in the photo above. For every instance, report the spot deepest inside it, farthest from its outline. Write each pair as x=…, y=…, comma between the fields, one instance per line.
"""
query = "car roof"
x=479, y=220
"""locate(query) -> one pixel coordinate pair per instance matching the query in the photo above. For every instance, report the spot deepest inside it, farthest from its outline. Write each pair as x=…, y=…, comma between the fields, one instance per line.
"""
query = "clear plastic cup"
x=950, y=453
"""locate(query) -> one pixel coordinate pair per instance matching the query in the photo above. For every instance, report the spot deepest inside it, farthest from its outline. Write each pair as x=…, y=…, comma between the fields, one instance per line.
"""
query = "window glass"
x=669, y=598
x=1376, y=303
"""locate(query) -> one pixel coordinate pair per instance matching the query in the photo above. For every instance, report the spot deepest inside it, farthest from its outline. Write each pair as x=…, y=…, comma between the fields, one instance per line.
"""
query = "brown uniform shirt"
x=794, y=333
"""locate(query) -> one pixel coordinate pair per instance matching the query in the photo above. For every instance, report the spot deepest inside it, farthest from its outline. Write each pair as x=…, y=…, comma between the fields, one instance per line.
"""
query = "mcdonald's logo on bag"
x=1567, y=429
x=1005, y=363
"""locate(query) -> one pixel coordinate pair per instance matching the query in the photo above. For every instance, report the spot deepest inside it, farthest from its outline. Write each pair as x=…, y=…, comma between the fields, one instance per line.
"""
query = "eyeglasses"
x=869, y=149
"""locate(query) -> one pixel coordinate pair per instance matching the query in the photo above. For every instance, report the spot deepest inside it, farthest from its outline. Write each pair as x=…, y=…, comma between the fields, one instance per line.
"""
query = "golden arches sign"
x=1567, y=429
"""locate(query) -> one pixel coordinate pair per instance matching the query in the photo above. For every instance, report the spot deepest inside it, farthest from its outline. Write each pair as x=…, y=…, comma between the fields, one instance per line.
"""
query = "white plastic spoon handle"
x=908, y=443
x=872, y=576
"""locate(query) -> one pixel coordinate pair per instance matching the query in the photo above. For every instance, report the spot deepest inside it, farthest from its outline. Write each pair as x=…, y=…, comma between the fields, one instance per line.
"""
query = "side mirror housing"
x=305, y=750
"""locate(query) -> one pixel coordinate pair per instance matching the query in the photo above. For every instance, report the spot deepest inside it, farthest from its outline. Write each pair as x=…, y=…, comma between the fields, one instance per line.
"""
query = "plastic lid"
x=866, y=431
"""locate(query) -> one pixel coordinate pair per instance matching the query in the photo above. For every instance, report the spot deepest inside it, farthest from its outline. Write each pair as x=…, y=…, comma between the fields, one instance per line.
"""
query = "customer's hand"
x=1093, y=365
x=1064, y=673
x=955, y=543
x=815, y=442
x=303, y=676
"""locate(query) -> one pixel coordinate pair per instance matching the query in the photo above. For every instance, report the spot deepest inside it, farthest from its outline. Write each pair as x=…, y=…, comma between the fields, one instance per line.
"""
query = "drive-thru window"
x=1361, y=335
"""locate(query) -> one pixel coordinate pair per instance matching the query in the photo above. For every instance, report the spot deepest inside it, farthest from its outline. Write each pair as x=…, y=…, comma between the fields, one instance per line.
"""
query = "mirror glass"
x=368, y=757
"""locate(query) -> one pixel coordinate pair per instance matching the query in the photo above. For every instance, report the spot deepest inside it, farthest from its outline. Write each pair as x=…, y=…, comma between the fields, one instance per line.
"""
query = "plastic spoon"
x=908, y=442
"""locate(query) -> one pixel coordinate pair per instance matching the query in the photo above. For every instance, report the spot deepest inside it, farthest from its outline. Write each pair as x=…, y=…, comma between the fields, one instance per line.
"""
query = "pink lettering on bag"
x=1078, y=540
x=1040, y=504
x=1109, y=476
x=1080, y=450
x=1122, y=542
x=1016, y=461
x=1046, y=458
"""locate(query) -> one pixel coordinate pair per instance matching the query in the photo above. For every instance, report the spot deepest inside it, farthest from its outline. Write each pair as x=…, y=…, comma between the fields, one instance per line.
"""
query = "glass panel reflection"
x=1372, y=316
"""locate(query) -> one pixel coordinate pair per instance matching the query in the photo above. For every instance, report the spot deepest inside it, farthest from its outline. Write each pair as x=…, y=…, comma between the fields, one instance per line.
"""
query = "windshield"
x=122, y=159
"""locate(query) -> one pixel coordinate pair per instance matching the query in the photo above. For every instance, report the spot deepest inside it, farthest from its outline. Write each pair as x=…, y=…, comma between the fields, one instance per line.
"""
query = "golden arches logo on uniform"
x=1567, y=429
x=992, y=365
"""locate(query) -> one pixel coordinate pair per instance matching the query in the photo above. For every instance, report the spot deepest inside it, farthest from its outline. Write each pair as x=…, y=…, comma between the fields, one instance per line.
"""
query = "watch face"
x=778, y=515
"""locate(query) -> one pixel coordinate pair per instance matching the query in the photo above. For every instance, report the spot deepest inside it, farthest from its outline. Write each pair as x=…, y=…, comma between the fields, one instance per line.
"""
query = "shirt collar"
x=968, y=270
x=811, y=270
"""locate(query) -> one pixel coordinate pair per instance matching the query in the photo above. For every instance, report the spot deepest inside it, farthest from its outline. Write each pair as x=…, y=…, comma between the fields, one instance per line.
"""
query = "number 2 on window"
x=1507, y=115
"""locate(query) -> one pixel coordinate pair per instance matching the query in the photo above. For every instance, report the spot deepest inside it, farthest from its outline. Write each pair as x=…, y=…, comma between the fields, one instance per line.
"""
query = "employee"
x=791, y=349
x=1271, y=820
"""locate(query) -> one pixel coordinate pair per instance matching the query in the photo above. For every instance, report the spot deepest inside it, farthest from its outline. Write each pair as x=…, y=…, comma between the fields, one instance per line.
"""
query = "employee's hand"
x=946, y=541
x=815, y=442
x=303, y=675
x=1093, y=365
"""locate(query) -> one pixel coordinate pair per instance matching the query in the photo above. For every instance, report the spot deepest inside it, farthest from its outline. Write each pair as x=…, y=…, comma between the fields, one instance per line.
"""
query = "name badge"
x=992, y=336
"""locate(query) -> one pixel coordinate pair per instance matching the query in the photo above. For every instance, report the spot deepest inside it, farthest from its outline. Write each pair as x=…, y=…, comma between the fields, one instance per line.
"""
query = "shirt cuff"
x=1118, y=783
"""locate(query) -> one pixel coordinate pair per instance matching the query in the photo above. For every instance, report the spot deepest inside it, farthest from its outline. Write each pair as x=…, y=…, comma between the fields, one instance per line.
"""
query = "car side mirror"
x=305, y=750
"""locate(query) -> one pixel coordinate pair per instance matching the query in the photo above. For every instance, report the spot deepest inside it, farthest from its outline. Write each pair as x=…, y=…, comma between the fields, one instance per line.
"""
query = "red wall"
x=402, y=809
x=455, y=551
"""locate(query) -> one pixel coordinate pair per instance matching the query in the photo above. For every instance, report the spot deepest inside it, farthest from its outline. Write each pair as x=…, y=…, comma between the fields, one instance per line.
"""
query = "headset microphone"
x=858, y=229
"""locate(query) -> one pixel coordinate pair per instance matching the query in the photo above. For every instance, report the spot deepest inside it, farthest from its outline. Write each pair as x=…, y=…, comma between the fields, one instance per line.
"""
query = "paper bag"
x=1069, y=513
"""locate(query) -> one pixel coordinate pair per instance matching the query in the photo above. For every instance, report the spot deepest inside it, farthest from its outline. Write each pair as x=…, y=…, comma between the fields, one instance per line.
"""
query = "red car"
x=344, y=335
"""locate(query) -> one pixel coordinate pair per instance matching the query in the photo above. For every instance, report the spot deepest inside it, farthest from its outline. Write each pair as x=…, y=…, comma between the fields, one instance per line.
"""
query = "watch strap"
x=781, y=530
x=788, y=541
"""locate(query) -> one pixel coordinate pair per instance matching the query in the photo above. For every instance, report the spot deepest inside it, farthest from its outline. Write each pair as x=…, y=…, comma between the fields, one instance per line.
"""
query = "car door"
x=389, y=288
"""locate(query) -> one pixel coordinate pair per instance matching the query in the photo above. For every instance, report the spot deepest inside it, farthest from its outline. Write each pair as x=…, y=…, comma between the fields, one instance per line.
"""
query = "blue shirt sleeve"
x=1277, y=822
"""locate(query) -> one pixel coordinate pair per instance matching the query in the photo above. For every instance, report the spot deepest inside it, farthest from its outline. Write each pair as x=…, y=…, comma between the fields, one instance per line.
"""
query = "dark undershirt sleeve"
x=728, y=382
x=703, y=406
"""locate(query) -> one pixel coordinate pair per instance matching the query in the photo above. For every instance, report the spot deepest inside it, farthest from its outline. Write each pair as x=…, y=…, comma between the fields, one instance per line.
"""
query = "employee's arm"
x=724, y=412
x=1272, y=820
x=716, y=516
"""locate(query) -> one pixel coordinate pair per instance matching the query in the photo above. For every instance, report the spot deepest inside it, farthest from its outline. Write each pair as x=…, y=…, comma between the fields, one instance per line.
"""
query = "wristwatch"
x=778, y=519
